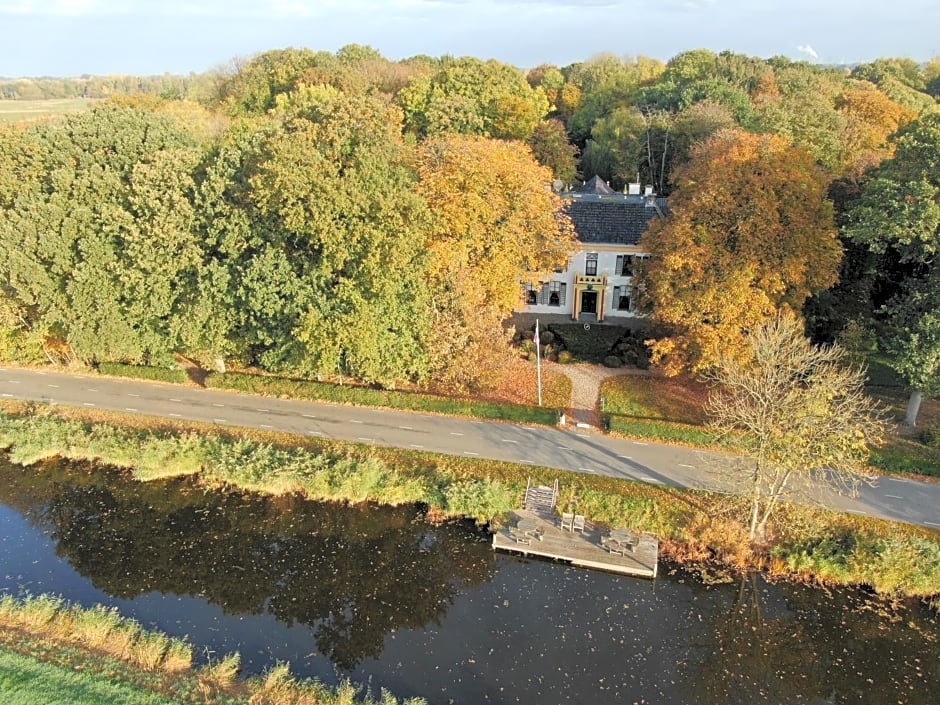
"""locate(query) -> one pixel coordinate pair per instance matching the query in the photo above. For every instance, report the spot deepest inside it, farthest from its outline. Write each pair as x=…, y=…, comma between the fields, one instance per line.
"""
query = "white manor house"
x=597, y=282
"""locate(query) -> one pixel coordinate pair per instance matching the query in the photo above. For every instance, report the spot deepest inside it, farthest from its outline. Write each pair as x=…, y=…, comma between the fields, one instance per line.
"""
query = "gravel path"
x=585, y=390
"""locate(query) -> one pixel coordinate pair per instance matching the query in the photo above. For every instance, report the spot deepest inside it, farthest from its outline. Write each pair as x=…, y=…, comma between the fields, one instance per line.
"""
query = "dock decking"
x=579, y=549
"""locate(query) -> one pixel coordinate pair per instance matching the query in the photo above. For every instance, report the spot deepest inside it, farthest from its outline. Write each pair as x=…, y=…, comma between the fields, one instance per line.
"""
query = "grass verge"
x=367, y=396
x=153, y=374
x=52, y=652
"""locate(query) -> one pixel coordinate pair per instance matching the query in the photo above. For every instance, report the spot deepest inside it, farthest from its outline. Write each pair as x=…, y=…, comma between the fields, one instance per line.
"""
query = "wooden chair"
x=567, y=521
x=578, y=523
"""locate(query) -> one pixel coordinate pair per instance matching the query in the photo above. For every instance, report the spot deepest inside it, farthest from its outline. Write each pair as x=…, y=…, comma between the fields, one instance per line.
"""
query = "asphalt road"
x=563, y=448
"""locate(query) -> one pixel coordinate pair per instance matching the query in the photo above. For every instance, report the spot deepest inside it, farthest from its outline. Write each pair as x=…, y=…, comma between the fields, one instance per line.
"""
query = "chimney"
x=648, y=191
x=633, y=189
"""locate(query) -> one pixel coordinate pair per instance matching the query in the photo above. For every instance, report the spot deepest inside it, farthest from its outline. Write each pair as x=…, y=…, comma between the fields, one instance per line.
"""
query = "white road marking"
x=565, y=447
x=587, y=470
x=467, y=452
x=309, y=416
x=127, y=408
x=175, y=416
x=54, y=386
x=13, y=381
x=133, y=395
x=220, y=420
x=894, y=496
x=92, y=390
x=88, y=403
x=264, y=411
x=683, y=465
x=407, y=428
x=415, y=445
x=639, y=443
x=220, y=406
x=626, y=457
x=365, y=440
x=855, y=511
x=315, y=433
x=509, y=440
x=454, y=433
x=264, y=425
x=355, y=421
x=8, y=396
x=651, y=479
x=931, y=523
x=175, y=399
x=897, y=479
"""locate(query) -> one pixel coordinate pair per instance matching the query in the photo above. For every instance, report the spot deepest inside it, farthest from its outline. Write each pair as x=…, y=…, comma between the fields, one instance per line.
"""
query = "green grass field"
x=27, y=681
x=24, y=110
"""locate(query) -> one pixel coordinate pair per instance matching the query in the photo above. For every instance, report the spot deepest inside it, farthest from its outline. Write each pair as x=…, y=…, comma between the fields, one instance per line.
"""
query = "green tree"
x=97, y=243
x=800, y=414
x=321, y=234
x=473, y=97
x=551, y=148
x=897, y=217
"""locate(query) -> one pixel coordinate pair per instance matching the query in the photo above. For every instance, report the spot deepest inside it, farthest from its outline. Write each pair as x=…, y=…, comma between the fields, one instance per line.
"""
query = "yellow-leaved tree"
x=497, y=222
x=750, y=233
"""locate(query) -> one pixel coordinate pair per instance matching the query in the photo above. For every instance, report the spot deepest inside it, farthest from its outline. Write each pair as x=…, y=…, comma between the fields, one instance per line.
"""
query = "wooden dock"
x=580, y=549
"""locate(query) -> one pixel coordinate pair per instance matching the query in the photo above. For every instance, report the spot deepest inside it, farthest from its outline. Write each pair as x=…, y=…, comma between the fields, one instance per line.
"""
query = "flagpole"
x=538, y=359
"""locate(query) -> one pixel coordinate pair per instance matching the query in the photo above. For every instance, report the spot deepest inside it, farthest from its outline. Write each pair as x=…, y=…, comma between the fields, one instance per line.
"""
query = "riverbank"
x=56, y=653
x=692, y=526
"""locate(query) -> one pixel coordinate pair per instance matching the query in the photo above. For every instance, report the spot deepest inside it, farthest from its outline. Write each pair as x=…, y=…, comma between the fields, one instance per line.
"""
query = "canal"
x=390, y=600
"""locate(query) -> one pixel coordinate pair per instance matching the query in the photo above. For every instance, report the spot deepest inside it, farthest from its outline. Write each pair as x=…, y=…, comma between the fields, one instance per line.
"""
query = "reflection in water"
x=353, y=573
x=799, y=644
x=395, y=602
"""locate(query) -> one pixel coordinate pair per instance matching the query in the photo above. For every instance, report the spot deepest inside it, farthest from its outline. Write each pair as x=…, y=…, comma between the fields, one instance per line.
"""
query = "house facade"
x=598, y=281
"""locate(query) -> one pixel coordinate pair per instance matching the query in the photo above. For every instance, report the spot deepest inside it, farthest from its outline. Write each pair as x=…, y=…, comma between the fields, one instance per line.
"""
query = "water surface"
x=382, y=596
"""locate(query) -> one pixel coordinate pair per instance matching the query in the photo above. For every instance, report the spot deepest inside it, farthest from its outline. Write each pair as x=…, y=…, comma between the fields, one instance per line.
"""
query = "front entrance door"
x=589, y=302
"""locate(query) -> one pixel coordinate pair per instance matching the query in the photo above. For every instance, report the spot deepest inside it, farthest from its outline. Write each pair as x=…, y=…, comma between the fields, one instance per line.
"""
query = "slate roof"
x=601, y=215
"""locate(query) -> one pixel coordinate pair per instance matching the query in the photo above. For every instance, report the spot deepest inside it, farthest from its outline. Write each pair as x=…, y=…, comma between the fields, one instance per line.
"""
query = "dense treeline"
x=313, y=213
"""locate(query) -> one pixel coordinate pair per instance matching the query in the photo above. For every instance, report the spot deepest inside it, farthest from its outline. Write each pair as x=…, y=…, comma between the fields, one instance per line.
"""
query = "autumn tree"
x=897, y=217
x=798, y=411
x=497, y=222
x=750, y=232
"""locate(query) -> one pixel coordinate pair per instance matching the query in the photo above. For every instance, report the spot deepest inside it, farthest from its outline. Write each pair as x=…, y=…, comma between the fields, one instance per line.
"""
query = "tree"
x=97, y=243
x=497, y=222
x=472, y=97
x=750, y=232
x=897, y=218
x=798, y=411
x=551, y=147
x=321, y=236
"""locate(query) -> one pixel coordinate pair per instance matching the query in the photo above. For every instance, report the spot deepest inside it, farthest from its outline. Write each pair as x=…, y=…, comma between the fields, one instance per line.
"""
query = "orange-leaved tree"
x=497, y=222
x=750, y=233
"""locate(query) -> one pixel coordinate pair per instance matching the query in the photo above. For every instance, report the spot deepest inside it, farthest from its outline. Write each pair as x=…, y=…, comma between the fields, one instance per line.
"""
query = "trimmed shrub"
x=564, y=357
x=613, y=361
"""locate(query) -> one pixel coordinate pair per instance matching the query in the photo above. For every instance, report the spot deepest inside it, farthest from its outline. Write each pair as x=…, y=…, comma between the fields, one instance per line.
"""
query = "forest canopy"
x=315, y=213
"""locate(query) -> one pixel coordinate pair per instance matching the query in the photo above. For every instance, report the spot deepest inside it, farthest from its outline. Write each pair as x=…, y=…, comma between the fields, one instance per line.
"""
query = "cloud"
x=808, y=50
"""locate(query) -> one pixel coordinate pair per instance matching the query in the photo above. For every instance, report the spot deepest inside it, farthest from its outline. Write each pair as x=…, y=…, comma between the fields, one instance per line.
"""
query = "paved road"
x=566, y=449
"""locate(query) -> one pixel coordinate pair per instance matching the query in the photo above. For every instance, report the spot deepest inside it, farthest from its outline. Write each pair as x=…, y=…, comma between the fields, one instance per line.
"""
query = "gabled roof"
x=601, y=215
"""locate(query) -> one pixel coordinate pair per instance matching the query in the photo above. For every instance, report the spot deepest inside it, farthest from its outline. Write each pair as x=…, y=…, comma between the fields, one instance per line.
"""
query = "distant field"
x=17, y=110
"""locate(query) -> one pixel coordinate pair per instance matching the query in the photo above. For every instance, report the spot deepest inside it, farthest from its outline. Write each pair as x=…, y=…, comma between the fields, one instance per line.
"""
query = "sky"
x=148, y=37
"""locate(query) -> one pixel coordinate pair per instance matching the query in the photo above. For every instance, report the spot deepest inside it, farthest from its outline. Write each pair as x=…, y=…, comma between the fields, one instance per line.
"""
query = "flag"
x=535, y=338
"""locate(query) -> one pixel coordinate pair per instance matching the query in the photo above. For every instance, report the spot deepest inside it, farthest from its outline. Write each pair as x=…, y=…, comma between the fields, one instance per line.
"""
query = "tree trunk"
x=913, y=406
